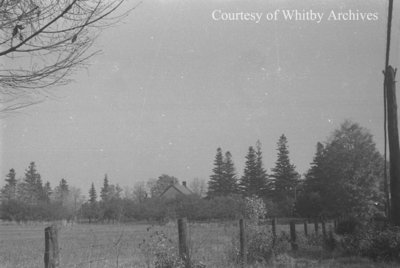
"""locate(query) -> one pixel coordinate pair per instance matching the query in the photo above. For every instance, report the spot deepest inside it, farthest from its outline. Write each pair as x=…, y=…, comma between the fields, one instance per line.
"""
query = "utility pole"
x=389, y=76
x=394, y=149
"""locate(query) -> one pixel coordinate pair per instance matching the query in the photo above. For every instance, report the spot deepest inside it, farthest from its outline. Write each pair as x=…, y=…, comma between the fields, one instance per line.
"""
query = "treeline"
x=345, y=179
x=143, y=202
x=278, y=189
x=31, y=199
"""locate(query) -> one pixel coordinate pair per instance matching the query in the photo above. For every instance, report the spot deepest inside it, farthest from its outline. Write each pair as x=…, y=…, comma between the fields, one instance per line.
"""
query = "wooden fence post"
x=242, y=238
x=316, y=226
x=293, y=235
x=273, y=224
x=305, y=228
x=51, y=251
x=183, y=242
x=330, y=242
x=323, y=229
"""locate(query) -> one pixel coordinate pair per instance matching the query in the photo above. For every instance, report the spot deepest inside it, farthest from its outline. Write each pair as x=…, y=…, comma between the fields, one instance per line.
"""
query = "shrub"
x=254, y=209
x=330, y=242
x=369, y=241
x=385, y=245
x=160, y=251
x=310, y=241
x=261, y=247
x=348, y=226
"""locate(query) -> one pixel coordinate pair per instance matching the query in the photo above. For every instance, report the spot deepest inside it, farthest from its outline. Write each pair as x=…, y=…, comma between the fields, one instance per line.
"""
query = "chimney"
x=184, y=183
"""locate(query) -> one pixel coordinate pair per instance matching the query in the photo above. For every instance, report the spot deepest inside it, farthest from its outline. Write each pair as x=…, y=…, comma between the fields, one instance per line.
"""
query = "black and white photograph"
x=199, y=134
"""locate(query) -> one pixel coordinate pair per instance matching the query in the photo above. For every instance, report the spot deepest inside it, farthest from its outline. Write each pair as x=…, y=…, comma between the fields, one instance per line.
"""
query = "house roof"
x=179, y=187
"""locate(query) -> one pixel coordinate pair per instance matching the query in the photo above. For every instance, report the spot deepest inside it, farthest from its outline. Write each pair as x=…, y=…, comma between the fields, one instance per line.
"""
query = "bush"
x=310, y=241
x=160, y=251
x=379, y=245
x=348, y=226
x=385, y=245
x=254, y=209
x=261, y=247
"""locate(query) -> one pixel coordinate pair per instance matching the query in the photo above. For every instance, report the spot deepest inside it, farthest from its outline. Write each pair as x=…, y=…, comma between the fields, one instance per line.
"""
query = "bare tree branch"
x=42, y=42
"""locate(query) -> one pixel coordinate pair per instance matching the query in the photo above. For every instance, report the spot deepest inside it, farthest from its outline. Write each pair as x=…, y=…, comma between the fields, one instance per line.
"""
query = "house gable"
x=175, y=190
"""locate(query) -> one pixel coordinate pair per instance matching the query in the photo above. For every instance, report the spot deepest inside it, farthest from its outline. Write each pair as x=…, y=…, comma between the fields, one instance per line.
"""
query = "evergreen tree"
x=223, y=181
x=247, y=183
x=254, y=179
x=105, y=190
x=90, y=208
x=62, y=191
x=47, y=191
x=313, y=178
x=285, y=178
x=229, y=184
x=8, y=192
x=31, y=189
x=309, y=203
x=214, y=184
x=92, y=195
x=261, y=179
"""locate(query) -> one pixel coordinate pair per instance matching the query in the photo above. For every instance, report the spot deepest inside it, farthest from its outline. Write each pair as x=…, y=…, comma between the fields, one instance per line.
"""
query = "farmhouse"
x=176, y=190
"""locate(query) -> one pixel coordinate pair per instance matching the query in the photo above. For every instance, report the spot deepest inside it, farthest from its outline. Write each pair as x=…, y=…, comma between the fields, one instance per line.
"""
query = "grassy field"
x=106, y=245
x=131, y=245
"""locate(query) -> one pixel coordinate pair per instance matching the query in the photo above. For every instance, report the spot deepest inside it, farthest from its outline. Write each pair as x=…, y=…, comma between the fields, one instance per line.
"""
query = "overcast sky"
x=175, y=82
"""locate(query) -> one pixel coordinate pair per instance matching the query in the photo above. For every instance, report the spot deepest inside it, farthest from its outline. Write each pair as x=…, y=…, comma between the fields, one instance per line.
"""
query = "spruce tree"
x=47, y=192
x=92, y=195
x=261, y=180
x=31, y=189
x=247, y=185
x=229, y=183
x=8, y=192
x=254, y=180
x=105, y=190
x=62, y=191
x=309, y=200
x=313, y=178
x=284, y=173
x=90, y=209
x=214, y=184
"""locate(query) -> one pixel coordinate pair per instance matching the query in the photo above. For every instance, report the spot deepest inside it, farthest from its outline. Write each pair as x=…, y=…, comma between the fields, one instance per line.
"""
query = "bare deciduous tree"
x=198, y=187
x=43, y=41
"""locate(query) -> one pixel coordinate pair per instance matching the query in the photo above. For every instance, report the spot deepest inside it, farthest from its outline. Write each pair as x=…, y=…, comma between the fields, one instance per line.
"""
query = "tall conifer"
x=31, y=189
x=8, y=192
x=247, y=185
x=284, y=173
x=105, y=190
x=92, y=194
x=229, y=183
x=214, y=184
x=261, y=180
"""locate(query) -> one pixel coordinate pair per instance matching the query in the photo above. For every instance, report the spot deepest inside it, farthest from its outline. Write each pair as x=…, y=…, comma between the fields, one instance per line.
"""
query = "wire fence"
x=121, y=245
